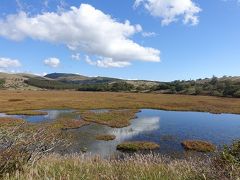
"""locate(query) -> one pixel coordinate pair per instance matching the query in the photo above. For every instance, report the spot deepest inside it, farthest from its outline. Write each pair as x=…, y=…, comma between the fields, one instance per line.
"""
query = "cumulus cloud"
x=84, y=29
x=9, y=63
x=52, y=62
x=107, y=62
x=170, y=10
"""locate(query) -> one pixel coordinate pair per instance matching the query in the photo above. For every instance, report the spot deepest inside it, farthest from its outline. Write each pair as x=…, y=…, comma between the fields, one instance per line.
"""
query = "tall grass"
x=145, y=167
x=19, y=148
x=86, y=167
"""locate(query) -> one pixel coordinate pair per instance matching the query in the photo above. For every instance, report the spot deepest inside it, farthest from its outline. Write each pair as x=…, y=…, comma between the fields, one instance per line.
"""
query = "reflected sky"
x=167, y=128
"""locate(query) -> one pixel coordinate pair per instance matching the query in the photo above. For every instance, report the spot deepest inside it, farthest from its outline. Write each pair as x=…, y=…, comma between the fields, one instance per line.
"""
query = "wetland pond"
x=166, y=128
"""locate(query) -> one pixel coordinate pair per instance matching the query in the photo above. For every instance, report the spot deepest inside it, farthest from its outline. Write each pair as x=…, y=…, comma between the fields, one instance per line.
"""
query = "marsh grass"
x=105, y=137
x=132, y=146
x=35, y=100
x=28, y=113
x=10, y=122
x=197, y=145
x=112, y=118
x=66, y=123
x=134, y=167
x=96, y=168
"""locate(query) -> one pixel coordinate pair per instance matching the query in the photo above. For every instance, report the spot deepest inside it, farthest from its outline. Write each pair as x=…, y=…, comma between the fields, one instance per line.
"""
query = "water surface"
x=51, y=115
x=167, y=128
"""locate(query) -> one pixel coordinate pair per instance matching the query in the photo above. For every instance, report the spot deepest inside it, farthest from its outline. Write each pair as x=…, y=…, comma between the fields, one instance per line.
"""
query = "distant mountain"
x=65, y=76
x=79, y=79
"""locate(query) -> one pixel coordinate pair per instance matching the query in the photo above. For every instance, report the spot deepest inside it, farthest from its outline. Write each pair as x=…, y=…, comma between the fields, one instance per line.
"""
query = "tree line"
x=58, y=85
x=212, y=87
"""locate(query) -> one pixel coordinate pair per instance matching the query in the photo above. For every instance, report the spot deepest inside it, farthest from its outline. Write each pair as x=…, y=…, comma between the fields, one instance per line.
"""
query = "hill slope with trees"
x=222, y=87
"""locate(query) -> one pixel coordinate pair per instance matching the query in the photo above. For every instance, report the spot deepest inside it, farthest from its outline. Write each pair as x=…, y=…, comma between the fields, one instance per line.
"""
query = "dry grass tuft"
x=105, y=137
x=133, y=146
x=196, y=145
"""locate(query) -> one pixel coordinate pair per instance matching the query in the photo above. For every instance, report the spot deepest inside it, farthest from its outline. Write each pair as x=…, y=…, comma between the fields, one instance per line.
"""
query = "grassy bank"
x=97, y=100
x=134, y=167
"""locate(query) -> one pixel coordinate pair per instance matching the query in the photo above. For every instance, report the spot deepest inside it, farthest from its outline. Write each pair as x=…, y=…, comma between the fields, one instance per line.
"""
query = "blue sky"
x=193, y=40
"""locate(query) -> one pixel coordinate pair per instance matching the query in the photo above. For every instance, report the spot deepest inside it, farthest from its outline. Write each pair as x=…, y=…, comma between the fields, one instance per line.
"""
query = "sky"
x=160, y=40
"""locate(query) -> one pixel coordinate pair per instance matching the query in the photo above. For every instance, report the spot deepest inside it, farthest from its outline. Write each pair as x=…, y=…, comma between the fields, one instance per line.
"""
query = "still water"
x=167, y=128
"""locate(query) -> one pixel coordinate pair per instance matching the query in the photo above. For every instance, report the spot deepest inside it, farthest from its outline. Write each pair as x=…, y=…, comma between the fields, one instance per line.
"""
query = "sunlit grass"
x=35, y=100
x=112, y=118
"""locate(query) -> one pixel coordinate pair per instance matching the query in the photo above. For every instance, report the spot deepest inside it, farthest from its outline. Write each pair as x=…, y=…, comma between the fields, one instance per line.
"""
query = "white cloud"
x=52, y=62
x=148, y=34
x=84, y=29
x=76, y=56
x=107, y=63
x=9, y=63
x=170, y=10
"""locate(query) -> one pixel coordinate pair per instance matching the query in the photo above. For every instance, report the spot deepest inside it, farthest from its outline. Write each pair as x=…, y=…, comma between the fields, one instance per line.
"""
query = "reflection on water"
x=52, y=115
x=166, y=128
x=85, y=136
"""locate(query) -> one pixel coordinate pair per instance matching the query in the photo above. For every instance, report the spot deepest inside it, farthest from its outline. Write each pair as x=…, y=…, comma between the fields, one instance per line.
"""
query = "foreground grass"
x=91, y=168
x=28, y=157
x=34, y=100
x=152, y=167
x=112, y=118
x=10, y=122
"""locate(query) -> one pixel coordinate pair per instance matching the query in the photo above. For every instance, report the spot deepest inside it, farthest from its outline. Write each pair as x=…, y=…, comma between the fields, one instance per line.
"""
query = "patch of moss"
x=197, y=145
x=28, y=113
x=112, y=118
x=106, y=137
x=132, y=146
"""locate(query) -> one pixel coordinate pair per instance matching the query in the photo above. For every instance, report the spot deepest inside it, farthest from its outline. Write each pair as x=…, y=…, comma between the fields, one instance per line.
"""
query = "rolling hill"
x=222, y=87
